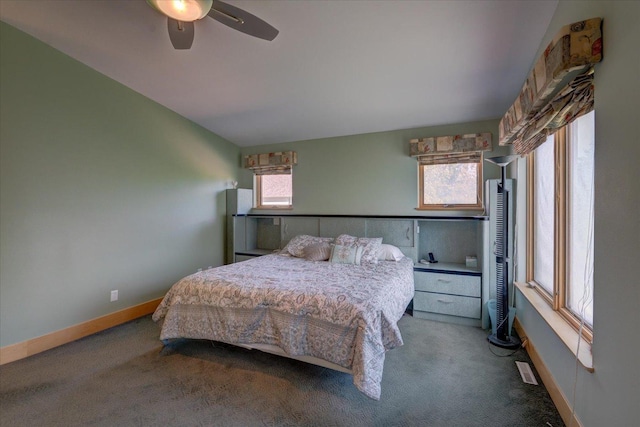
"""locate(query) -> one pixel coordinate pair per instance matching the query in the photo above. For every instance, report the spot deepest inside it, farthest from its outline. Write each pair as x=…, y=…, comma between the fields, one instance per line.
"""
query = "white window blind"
x=544, y=196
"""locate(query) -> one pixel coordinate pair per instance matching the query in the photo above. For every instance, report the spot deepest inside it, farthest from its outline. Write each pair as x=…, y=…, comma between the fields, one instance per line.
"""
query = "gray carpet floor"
x=444, y=375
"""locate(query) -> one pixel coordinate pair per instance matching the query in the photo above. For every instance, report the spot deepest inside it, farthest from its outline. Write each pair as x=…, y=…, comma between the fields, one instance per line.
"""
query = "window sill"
x=559, y=325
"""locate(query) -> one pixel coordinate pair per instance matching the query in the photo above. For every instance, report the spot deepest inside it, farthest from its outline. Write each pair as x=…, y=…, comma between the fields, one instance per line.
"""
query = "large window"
x=544, y=215
x=561, y=222
x=274, y=191
x=451, y=186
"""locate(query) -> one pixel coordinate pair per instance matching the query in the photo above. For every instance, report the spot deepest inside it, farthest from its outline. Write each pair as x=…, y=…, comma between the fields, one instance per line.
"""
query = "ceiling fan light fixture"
x=183, y=10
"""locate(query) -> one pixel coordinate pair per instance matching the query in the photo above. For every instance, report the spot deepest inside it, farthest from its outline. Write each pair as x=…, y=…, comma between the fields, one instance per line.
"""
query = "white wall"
x=611, y=395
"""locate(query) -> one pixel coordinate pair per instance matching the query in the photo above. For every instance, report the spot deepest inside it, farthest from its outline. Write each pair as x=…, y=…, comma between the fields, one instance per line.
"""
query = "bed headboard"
x=274, y=232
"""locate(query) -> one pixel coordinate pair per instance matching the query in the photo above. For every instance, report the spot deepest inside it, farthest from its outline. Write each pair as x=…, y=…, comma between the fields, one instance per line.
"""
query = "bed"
x=339, y=315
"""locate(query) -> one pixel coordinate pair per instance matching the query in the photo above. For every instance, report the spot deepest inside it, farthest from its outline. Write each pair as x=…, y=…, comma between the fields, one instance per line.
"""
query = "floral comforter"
x=345, y=314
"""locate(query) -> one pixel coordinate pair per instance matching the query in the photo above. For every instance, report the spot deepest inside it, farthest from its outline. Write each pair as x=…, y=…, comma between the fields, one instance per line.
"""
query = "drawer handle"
x=445, y=301
x=408, y=229
x=444, y=281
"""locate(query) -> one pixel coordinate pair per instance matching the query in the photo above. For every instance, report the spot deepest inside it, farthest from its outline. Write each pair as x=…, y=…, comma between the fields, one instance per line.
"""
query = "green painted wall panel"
x=100, y=189
x=367, y=174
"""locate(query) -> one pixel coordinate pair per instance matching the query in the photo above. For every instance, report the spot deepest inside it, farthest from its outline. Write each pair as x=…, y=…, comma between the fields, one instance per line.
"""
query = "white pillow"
x=389, y=253
x=370, y=246
x=346, y=254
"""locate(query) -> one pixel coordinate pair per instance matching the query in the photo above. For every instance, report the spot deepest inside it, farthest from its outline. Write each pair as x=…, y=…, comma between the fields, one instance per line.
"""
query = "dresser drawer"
x=453, y=305
x=454, y=284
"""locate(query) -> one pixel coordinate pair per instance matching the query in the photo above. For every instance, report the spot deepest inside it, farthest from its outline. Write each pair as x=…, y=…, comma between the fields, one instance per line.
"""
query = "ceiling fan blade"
x=242, y=21
x=180, y=33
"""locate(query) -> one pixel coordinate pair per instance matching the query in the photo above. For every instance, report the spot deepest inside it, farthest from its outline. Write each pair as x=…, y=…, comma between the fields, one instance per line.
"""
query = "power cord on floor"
x=491, y=346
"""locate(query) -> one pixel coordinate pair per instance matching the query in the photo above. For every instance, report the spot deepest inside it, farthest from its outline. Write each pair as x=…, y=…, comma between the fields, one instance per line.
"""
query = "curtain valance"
x=450, y=149
x=470, y=157
x=575, y=100
x=544, y=104
x=279, y=163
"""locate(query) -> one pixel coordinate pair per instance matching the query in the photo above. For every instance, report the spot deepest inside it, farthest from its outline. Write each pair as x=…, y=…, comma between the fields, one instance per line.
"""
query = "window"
x=560, y=226
x=544, y=215
x=272, y=178
x=451, y=186
x=274, y=191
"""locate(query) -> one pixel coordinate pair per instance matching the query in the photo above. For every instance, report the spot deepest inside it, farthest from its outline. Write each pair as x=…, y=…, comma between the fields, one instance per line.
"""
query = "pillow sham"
x=370, y=246
x=296, y=246
x=389, y=253
x=317, y=251
x=346, y=254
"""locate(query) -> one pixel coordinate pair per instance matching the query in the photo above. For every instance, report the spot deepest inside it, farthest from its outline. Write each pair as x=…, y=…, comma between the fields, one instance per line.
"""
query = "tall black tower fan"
x=502, y=337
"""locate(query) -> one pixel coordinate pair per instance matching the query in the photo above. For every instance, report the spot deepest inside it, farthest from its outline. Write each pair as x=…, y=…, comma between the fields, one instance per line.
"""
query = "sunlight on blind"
x=451, y=184
x=581, y=152
x=277, y=190
x=544, y=195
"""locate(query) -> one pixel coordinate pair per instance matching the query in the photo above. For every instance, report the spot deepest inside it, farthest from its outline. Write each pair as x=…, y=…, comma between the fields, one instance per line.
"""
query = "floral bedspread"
x=345, y=314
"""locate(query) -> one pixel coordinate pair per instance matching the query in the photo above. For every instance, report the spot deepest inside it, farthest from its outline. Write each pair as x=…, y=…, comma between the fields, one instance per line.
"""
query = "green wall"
x=100, y=189
x=609, y=396
x=103, y=189
x=367, y=174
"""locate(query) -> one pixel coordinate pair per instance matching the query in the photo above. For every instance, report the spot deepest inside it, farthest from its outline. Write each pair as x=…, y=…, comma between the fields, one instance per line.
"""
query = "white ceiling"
x=336, y=68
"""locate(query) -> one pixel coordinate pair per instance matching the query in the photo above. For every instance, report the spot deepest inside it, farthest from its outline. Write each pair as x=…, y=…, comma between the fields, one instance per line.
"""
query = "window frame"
x=258, y=195
x=558, y=300
x=479, y=186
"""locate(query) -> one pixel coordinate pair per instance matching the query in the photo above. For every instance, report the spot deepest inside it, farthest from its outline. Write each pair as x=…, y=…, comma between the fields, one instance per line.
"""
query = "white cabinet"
x=445, y=291
x=239, y=202
x=253, y=235
x=294, y=226
x=452, y=305
x=448, y=292
x=398, y=232
x=448, y=283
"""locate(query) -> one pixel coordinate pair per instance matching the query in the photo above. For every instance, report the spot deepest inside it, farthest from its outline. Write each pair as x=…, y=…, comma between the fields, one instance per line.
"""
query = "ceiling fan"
x=181, y=15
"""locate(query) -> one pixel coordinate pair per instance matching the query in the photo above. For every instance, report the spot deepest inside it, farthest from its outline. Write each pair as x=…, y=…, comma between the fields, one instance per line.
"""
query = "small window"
x=274, y=191
x=451, y=186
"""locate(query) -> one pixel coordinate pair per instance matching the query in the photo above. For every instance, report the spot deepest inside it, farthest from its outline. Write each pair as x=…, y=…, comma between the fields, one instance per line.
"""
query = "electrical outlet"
x=114, y=295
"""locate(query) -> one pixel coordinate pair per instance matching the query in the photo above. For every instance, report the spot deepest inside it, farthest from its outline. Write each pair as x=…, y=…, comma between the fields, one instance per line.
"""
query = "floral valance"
x=545, y=104
x=470, y=157
x=450, y=149
x=573, y=101
x=279, y=163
